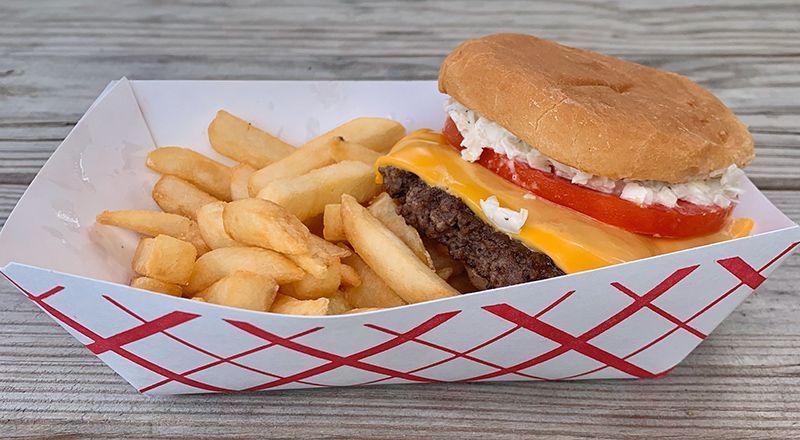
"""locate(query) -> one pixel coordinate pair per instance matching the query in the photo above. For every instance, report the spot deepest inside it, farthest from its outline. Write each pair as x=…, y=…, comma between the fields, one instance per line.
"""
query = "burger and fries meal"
x=552, y=160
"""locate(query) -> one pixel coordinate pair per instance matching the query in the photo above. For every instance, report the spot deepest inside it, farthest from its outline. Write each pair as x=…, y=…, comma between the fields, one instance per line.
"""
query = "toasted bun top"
x=597, y=113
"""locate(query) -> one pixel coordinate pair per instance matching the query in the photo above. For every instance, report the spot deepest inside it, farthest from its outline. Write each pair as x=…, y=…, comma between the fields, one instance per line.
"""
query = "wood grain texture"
x=57, y=55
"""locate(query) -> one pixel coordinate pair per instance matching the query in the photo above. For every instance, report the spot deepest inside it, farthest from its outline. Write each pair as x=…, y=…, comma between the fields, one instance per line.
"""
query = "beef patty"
x=499, y=259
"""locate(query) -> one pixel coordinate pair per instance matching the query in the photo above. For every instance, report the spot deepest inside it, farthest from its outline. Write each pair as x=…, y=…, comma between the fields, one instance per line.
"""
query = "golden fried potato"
x=239, y=140
x=155, y=285
x=389, y=257
x=152, y=223
x=338, y=304
x=350, y=277
x=177, y=196
x=332, y=223
x=289, y=306
x=244, y=290
x=342, y=150
x=265, y=224
x=212, y=226
x=165, y=258
x=377, y=134
x=222, y=262
x=312, y=287
x=240, y=176
x=306, y=196
x=372, y=291
x=206, y=173
x=384, y=209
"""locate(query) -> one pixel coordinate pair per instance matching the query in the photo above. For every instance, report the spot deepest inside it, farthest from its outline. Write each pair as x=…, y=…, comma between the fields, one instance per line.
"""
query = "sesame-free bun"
x=597, y=113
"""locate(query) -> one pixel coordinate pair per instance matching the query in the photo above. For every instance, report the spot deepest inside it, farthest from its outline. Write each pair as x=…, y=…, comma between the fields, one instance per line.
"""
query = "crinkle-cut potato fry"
x=372, y=291
x=300, y=162
x=384, y=209
x=155, y=285
x=243, y=290
x=389, y=257
x=219, y=263
x=212, y=226
x=338, y=304
x=350, y=277
x=306, y=196
x=361, y=310
x=342, y=149
x=240, y=176
x=241, y=141
x=258, y=222
x=287, y=305
x=206, y=173
x=332, y=228
x=312, y=287
x=177, y=196
x=165, y=258
x=378, y=134
x=152, y=223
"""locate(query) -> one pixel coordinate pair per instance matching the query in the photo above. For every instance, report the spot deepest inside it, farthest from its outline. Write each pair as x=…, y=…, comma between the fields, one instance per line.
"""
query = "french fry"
x=240, y=176
x=306, y=196
x=442, y=259
x=198, y=299
x=389, y=257
x=219, y=263
x=314, y=224
x=338, y=304
x=177, y=196
x=350, y=277
x=311, y=287
x=361, y=310
x=377, y=134
x=212, y=227
x=289, y=306
x=332, y=228
x=372, y=291
x=321, y=253
x=322, y=247
x=300, y=162
x=207, y=174
x=262, y=223
x=244, y=290
x=445, y=273
x=384, y=209
x=152, y=223
x=155, y=285
x=239, y=140
x=342, y=150
x=165, y=258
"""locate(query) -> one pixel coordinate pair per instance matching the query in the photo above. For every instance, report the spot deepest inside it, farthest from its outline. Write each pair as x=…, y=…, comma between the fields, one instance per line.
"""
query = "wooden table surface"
x=57, y=55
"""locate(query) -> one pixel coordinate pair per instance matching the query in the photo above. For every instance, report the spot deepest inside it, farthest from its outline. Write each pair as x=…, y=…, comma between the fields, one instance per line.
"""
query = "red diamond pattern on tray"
x=560, y=354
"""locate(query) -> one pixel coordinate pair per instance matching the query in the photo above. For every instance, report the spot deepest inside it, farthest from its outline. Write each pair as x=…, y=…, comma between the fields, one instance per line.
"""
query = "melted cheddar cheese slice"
x=573, y=240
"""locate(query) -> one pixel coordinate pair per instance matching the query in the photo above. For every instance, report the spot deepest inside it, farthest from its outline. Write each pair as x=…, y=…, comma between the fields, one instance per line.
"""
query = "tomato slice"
x=684, y=220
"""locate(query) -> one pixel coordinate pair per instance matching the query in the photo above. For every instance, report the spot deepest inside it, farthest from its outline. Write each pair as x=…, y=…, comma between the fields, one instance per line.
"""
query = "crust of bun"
x=594, y=112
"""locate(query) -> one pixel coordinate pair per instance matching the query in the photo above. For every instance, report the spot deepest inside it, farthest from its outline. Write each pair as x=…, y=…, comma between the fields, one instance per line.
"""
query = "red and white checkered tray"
x=635, y=320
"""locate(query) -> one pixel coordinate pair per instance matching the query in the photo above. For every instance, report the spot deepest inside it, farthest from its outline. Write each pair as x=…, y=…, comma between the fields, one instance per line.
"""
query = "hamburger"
x=555, y=160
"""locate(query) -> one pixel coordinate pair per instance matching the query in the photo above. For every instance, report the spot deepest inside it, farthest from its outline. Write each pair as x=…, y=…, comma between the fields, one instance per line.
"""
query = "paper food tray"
x=634, y=320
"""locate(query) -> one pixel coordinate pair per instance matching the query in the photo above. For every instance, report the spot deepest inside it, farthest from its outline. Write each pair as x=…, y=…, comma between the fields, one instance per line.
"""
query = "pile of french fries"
x=304, y=231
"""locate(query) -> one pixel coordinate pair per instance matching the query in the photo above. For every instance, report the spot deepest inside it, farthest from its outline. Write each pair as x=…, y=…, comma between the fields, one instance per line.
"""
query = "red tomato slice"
x=684, y=220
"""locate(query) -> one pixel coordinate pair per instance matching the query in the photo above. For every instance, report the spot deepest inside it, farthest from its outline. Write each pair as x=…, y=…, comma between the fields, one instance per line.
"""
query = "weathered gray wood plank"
x=741, y=382
x=55, y=61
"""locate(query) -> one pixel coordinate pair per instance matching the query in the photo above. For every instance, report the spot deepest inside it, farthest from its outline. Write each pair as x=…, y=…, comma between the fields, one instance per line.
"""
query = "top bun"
x=596, y=113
